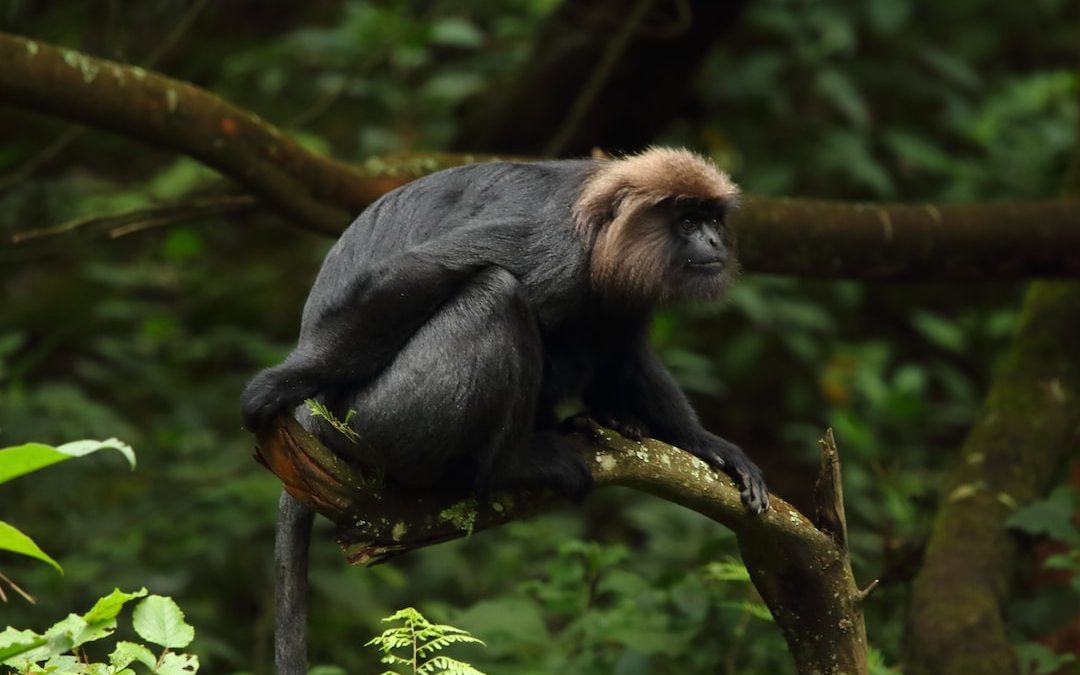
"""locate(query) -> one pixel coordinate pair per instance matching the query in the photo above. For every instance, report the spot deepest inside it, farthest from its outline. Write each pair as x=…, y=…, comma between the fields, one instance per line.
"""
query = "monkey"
x=456, y=311
x=454, y=314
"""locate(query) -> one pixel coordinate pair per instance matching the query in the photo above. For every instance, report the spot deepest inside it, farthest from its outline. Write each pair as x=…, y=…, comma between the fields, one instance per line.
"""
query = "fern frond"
x=444, y=665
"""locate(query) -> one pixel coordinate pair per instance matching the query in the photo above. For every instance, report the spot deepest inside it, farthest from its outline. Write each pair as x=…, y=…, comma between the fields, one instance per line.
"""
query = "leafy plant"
x=421, y=639
x=19, y=460
x=319, y=410
x=60, y=649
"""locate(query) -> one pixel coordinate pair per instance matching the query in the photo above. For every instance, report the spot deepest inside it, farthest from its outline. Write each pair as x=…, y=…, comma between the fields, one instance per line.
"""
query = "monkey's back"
x=546, y=255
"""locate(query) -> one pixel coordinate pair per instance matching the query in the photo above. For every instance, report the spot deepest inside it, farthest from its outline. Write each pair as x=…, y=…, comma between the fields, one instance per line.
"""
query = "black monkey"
x=459, y=309
x=456, y=311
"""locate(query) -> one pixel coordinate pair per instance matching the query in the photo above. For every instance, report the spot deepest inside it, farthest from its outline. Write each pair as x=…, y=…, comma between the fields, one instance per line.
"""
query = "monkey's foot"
x=591, y=425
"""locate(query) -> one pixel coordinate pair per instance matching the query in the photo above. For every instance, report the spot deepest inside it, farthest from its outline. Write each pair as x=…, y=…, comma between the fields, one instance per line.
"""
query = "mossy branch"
x=803, y=573
x=778, y=236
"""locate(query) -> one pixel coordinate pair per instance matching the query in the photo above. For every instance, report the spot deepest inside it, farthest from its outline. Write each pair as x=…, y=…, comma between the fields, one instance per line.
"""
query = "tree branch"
x=832, y=240
x=777, y=236
x=803, y=574
x=1029, y=425
x=189, y=120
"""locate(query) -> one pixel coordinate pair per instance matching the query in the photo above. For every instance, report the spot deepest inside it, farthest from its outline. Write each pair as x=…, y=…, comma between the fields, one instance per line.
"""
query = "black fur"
x=458, y=310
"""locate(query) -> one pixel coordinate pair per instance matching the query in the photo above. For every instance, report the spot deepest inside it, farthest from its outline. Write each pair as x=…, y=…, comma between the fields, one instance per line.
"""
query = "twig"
x=15, y=587
x=599, y=77
x=120, y=224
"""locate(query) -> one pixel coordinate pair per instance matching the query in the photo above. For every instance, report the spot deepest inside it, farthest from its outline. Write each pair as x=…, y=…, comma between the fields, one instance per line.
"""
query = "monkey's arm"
x=360, y=328
x=635, y=388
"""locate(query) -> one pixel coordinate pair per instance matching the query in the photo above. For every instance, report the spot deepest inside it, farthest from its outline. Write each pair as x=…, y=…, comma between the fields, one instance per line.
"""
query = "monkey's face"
x=677, y=249
x=702, y=249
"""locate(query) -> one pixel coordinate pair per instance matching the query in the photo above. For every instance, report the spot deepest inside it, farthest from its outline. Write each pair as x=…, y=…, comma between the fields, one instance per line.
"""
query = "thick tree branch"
x=803, y=573
x=1029, y=426
x=832, y=240
x=181, y=117
x=778, y=236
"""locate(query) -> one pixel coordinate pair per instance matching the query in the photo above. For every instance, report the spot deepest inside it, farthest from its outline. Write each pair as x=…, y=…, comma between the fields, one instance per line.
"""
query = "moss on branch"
x=777, y=236
x=802, y=572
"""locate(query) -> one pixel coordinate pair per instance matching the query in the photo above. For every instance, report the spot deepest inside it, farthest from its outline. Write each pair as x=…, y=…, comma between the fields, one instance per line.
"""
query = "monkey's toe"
x=580, y=423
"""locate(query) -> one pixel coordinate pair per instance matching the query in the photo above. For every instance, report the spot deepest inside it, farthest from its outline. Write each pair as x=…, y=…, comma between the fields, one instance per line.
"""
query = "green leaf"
x=178, y=664
x=130, y=652
x=14, y=642
x=456, y=32
x=159, y=620
x=18, y=460
x=15, y=541
x=726, y=570
x=1052, y=516
x=109, y=607
x=940, y=331
x=841, y=92
x=1038, y=659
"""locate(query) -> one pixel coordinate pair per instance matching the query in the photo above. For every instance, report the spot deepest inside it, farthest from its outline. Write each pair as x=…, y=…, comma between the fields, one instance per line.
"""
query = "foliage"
x=151, y=336
x=590, y=611
x=421, y=639
x=63, y=648
x=1038, y=659
x=23, y=459
x=1054, y=602
x=901, y=99
x=319, y=410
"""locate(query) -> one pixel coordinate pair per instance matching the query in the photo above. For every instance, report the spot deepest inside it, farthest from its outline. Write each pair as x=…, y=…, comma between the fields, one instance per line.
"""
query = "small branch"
x=801, y=573
x=5, y=579
x=119, y=224
x=590, y=91
x=865, y=592
x=54, y=148
x=829, y=493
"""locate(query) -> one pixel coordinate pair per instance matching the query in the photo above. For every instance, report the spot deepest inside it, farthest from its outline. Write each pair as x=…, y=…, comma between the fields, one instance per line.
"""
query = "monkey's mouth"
x=707, y=267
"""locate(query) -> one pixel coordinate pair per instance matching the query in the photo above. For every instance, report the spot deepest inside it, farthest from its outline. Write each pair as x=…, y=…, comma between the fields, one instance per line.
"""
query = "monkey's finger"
x=754, y=494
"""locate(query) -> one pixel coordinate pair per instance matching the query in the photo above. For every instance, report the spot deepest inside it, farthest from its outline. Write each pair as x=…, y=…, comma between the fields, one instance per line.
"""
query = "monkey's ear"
x=600, y=153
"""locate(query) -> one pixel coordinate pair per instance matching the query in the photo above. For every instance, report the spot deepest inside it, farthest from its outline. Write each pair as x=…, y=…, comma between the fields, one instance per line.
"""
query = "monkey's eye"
x=687, y=225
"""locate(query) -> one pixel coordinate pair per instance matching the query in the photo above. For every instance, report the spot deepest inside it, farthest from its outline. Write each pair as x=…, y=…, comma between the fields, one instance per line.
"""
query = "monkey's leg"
x=458, y=403
x=356, y=335
x=545, y=460
x=291, y=543
x=634, y=385
x=360, y=326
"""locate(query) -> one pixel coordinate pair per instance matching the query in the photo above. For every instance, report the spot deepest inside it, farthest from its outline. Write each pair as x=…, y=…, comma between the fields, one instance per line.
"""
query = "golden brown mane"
x=630, y=250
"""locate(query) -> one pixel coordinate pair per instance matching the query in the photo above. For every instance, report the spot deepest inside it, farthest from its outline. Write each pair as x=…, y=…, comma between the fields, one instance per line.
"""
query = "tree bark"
x=1027, y=429
x=801, y=570
x=778, y=236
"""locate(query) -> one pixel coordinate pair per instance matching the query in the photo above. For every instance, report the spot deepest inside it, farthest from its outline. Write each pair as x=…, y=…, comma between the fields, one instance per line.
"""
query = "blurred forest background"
x=147, y=329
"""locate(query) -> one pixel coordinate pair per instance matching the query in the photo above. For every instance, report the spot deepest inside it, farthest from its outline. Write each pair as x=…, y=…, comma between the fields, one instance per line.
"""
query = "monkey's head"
x=658, y=227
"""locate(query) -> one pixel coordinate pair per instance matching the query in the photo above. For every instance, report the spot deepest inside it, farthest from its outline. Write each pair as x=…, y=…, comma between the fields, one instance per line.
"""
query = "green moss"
x=461, y=514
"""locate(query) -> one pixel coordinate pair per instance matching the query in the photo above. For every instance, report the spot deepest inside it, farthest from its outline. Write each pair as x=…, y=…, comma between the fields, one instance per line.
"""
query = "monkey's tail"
x=291, y=544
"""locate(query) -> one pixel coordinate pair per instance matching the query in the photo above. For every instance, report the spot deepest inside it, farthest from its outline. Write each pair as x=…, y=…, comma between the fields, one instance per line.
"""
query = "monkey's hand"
x=730, y=458
x=273, y=392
